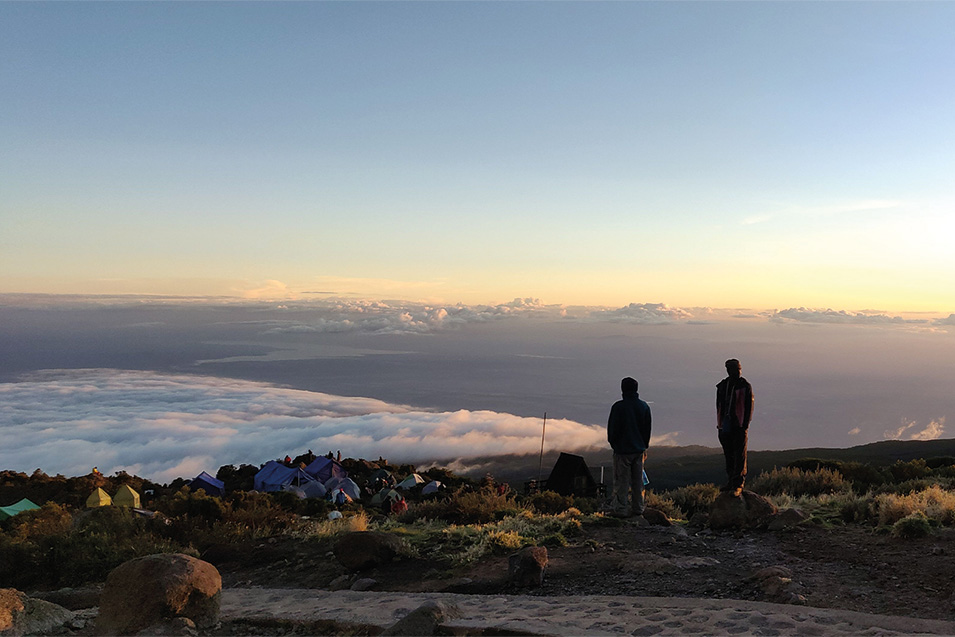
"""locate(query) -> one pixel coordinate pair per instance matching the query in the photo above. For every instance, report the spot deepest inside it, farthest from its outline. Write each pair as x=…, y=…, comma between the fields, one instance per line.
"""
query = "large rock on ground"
x=747, y=510
x=156, y=588
x=22, y=615
x=362, y=550
x=423, y=620
x=526, y=567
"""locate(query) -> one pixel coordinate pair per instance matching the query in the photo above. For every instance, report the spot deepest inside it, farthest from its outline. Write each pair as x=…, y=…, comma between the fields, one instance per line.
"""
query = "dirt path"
x=573, y=615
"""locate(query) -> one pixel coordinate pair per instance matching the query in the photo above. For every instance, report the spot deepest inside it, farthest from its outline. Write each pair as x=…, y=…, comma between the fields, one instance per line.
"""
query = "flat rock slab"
x=575, y=615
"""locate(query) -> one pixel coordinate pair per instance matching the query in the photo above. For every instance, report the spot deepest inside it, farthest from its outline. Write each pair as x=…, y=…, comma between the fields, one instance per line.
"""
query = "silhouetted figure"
x=628, y=432
x=734, y=410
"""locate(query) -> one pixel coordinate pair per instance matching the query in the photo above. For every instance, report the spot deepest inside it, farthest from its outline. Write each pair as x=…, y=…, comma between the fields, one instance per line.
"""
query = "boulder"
x=787, y=519
x=22, y=615
x=656, y=517
x=364, y=584
x=72, y=598
x=424, y=620
x=362, y=550
x=747, y=510
x=526, y=567
x=154, y=589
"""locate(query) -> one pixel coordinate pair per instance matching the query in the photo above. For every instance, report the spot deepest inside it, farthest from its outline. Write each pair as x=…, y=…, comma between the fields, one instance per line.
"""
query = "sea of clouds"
x=164, y=426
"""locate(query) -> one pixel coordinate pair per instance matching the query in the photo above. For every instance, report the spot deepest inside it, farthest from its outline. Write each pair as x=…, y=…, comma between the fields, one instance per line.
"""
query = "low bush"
x=695, y=498
x=799, y=482
x=662, y=503
x=912, y=526
x=934, y=503
x=550, y=502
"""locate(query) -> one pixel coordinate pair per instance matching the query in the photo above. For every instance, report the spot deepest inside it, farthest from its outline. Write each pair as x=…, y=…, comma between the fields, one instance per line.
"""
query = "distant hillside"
x=671, y=467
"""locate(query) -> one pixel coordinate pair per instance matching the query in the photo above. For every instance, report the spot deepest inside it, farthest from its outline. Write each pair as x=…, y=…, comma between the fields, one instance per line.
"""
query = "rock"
x=22, y=615
x=787, y=519
x=771, y=571
x=678, y=531
x=364, y=584
x=362, y=550
x=72, y=598
x=175, y=627
x=747, y=510
x=698, y=520
x=155, y=588
x=424, y=620
x=526, y=567
x=341, y=582
x=656, y=517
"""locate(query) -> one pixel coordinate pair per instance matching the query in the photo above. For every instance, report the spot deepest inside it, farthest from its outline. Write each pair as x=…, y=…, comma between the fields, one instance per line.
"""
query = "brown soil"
x=851, y=567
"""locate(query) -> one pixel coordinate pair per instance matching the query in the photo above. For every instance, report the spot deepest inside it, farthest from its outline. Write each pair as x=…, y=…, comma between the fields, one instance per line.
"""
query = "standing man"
x=628, y=432
x=734, y=410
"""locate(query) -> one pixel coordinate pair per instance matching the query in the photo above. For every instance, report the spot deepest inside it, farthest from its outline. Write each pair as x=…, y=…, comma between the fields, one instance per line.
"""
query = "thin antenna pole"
x=540, y=468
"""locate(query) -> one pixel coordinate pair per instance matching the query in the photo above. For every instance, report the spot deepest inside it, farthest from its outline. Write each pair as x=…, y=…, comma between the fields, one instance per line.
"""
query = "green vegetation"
x=64, y=544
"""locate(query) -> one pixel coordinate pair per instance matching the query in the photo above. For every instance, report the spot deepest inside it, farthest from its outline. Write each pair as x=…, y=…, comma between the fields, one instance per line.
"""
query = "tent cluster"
x=125, y=496
x=18, y=507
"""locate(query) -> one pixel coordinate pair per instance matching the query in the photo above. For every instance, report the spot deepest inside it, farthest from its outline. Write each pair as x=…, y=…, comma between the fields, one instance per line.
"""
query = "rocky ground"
x=850, y=568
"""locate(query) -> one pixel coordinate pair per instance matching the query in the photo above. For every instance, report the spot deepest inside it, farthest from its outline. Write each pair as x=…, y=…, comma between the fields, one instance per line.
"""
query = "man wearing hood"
x=628, y=432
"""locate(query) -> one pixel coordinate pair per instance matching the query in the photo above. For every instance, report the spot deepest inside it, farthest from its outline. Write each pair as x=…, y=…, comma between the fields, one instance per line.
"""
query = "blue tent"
x=323, y=468
x=208, y=484
x=275, y=475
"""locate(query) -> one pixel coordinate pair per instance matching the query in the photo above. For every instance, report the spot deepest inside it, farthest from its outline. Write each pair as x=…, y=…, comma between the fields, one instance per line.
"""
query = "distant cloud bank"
x=165, y=426
x=908, y=431
x=806, y=315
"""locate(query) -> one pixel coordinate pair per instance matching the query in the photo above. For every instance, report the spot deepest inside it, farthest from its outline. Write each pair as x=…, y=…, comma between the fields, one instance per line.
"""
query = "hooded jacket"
x=628, y=428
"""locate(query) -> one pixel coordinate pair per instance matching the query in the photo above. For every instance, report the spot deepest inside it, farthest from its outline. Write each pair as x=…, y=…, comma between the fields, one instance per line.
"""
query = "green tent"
x=19, y=507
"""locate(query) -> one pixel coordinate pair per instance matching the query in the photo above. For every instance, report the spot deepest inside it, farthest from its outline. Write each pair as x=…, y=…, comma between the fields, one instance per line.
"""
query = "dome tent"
x=275, y=475
x=126, y=496
x=98, y=498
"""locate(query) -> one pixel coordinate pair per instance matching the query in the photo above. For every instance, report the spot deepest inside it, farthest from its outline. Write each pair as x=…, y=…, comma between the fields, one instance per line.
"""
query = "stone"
x=526, y=567
x=771, y=571
x=787, y=519
x=341, y=582
x=150, y=590
x=22, y=615
x=744, y=511
x=364, y=584
x=656, y=517
x=423, y=620
x=175, y=627
x=72, y=598
x=361, y=550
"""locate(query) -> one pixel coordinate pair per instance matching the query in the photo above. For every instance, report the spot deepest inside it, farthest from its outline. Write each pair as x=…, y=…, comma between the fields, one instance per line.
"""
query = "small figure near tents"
x=98, y=498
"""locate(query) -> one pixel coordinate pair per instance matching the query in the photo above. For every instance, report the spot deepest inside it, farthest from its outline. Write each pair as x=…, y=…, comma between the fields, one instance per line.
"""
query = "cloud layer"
x=165, y=426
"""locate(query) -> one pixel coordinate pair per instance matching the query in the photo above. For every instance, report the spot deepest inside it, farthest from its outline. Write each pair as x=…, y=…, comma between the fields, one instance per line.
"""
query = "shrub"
x=911, y=470
x=662, y=503
x=934, y=503
x=799, y=482
x=550, y=502
x=694, y=498
x=912, y=526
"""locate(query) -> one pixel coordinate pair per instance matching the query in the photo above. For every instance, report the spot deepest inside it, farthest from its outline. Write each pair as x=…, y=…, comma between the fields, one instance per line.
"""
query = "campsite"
x=455, y=534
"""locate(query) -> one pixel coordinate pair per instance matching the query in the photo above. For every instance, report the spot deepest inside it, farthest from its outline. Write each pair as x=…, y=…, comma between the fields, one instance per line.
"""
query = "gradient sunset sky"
x=723, y=154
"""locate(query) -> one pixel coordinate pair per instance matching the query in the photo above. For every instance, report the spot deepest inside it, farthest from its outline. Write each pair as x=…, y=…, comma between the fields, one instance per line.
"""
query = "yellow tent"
x=126, y=496
x=98, y=498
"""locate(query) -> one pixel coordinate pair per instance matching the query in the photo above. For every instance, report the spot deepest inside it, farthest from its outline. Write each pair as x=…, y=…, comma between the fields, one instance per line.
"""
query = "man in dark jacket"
x=628, y=432
x=734, y=410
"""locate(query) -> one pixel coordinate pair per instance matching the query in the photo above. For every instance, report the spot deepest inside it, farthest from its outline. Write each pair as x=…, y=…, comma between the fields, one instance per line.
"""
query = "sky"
x=235, y=230
x=732, y=154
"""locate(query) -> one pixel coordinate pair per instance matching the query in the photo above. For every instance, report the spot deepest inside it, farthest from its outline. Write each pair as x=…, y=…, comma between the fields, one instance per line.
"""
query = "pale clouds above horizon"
x=909, y=430
x=165, y=426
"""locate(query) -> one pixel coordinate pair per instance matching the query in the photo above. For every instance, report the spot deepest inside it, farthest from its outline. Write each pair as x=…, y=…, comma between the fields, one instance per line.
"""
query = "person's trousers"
x=733, y=442
x=627, y=479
